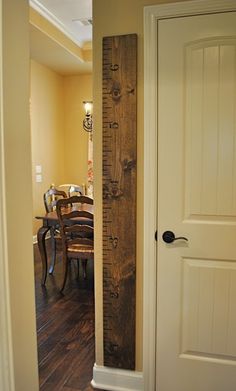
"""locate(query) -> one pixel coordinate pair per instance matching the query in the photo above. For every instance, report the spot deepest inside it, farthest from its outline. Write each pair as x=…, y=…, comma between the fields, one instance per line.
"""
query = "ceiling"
x=73, y=18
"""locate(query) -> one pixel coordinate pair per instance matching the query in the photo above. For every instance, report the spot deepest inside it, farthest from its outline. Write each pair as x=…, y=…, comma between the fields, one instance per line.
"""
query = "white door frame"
x=152, y=14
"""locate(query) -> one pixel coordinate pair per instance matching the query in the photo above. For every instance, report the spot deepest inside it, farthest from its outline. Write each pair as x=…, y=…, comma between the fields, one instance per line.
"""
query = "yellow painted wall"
x=76, y=90
x=47, y=131
x=59, y=143
x=18, y=192
x=112, y=17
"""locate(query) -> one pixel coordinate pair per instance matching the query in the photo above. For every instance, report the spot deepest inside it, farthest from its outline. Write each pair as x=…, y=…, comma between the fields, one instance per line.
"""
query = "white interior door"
x=196, y=298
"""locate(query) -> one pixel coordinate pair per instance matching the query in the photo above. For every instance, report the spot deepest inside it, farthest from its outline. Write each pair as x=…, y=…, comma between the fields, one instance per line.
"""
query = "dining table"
x=50, y=220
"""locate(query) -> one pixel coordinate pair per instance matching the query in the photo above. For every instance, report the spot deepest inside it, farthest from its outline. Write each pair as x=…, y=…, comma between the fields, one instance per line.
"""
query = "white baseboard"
x=113, y=379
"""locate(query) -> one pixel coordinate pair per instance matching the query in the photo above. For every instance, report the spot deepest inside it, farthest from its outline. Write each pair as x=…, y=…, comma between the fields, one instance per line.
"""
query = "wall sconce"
x=88, y=120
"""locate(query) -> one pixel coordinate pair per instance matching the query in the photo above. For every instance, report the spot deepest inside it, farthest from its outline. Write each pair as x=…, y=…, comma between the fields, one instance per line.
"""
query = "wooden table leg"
x=43, y=253
x=53, y=245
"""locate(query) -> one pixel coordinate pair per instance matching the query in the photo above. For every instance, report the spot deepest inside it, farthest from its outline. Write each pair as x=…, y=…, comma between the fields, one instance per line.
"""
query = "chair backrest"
x=75, y=190
x=51, y=197
x=76, y=221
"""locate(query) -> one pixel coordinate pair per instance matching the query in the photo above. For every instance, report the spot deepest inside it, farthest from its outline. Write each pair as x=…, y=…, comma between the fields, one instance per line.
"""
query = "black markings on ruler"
x=114, y=67
x=113, y=125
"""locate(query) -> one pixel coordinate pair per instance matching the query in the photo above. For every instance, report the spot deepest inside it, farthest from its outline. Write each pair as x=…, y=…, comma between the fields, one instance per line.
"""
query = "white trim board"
x=113, y=379
x=151, y=16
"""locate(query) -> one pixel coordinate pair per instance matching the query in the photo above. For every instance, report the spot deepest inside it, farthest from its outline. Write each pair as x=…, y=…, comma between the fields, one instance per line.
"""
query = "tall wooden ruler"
x=119, y=199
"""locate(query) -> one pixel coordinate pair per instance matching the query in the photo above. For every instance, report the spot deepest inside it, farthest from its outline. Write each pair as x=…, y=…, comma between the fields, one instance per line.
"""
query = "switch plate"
x=38, y=178
x=38, y=169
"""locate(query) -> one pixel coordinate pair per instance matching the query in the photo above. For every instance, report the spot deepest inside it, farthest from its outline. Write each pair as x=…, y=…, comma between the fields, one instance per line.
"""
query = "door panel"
x=210, y=128
x=196, y=294
x=209, y=308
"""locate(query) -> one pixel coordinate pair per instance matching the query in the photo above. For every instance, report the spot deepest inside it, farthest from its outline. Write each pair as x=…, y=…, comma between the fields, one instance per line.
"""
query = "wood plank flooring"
x=65, y=328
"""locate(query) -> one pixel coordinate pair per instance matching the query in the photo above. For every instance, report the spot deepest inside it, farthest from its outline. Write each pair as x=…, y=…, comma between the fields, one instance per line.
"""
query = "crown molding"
x=43, y=11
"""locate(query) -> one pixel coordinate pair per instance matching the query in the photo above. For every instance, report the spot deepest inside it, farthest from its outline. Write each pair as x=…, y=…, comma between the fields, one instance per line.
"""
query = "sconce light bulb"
x=88, y=107
x=88, y=120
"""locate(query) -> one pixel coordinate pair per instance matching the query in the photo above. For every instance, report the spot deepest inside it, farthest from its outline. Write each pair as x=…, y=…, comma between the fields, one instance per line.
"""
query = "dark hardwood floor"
x=65, y=328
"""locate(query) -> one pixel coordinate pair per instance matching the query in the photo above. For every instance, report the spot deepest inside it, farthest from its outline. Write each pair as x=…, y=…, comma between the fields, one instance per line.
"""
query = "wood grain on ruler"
x=119, y=198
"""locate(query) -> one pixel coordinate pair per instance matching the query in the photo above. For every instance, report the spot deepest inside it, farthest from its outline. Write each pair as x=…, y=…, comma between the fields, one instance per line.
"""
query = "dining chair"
x=50, y=198
x=75, y=190
x=76, y=228
x=65, y=186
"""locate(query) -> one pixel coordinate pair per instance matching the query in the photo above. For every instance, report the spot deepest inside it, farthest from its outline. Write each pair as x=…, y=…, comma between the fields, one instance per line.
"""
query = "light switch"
x=38, y=169
x=38, y=178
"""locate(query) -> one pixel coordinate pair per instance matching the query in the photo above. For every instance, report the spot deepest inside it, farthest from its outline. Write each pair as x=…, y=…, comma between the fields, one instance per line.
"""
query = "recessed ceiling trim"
x=37, y=6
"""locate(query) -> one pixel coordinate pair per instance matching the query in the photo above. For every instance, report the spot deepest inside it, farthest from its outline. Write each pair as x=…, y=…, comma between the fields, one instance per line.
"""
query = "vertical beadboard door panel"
x=210, y=128
x=196, y=293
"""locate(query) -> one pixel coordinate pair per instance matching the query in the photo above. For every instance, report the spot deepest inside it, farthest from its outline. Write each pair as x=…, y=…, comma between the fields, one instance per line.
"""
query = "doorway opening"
x=61, y=80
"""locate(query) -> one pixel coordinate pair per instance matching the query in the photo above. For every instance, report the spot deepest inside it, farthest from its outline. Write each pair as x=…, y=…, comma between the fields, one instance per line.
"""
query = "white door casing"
x=223, y=270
